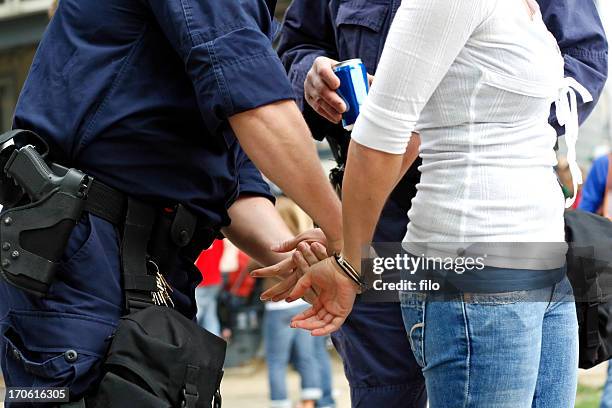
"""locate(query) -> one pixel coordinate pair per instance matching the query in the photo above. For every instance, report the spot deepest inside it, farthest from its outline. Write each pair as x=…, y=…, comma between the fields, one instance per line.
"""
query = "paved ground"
x=248, y=386
x=595, y=377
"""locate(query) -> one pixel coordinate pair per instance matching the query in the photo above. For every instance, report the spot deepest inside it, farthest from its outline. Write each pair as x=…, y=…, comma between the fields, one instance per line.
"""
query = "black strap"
x=137, y=282
x=190, y=389
x=25, y=137
x=107, y=203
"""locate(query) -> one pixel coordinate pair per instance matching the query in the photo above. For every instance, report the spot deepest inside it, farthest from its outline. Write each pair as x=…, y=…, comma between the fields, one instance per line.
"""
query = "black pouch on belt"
x=45, y=207
x=160, y=359
x=157, y=358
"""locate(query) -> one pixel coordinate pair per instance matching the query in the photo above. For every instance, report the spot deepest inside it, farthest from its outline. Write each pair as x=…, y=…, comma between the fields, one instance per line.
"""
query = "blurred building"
x=22, y=23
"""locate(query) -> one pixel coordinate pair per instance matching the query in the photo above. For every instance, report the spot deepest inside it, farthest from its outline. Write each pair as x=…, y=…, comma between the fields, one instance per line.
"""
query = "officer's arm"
x=278, y=141
x=307, y=33
x=236, y=74
x=256, y=226
x=579, y=32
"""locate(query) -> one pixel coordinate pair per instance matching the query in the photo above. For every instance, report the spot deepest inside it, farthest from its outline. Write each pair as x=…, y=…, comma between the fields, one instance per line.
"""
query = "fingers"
x=370, y=79
x=310, y=324
x=281, y=269
x=324, y=68
x=306, y=314
x=326, y=110
x=319, y=323
x=286, y=246
x=305, y=250
x=312, y=235
x=281, y=290
x=329, y=328
x=319, y=250
x=329, y=95
x=300, y=263
x=301, y=287
x=317, y=90
x=325, y=316
x=320, y=90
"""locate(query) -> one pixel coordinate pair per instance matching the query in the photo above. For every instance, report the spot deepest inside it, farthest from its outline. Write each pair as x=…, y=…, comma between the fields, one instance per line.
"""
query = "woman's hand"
x=335, y=296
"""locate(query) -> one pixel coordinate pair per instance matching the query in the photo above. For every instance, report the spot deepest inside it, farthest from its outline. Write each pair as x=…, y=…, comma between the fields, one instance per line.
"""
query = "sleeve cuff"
x=382, y=130
x=256, y=190
x=250, y=180
x=255, y=82
x=248, y=71
x=236, y=72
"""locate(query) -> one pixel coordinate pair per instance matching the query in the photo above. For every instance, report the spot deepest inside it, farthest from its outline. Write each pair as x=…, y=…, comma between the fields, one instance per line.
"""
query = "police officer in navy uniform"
x=157, y=100
x=316, y=33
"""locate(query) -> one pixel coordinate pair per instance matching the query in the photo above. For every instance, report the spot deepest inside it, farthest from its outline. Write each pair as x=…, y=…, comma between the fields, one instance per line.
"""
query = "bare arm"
x=362, y=204
x=278, y=141
x=256, y=226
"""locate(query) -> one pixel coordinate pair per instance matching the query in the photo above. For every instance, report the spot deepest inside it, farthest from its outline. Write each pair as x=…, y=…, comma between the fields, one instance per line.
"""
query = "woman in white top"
x=476, y=79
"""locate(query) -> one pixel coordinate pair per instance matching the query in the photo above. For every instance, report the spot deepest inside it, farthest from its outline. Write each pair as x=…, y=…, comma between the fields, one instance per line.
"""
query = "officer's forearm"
x=278, y=141
x=255, y=227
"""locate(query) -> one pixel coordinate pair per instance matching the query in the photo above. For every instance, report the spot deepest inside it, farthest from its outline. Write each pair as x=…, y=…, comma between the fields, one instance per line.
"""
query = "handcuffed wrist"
x=350, y=272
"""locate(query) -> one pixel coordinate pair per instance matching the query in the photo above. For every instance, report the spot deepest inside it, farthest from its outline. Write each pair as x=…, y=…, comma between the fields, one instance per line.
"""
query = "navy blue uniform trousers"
x=60, y=341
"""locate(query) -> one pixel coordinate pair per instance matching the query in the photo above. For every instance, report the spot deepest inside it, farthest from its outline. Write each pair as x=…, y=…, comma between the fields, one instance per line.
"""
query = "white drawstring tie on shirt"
x=567, y=115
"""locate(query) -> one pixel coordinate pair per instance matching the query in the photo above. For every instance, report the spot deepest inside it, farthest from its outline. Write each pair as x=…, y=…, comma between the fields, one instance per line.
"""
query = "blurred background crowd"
x=265, y=357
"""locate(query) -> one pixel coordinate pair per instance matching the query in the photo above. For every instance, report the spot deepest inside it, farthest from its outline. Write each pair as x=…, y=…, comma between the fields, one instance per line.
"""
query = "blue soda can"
x=354, y=87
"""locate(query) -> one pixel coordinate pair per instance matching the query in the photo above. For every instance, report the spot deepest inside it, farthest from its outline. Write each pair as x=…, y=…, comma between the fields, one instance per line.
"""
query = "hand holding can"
x=354, y=87
x=320, y=90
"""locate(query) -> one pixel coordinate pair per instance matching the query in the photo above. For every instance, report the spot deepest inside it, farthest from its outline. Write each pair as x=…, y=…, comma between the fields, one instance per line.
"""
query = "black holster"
x=41, y=208
x=157, y=358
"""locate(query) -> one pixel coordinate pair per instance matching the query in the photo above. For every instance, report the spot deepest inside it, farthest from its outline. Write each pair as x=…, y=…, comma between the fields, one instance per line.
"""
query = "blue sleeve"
x=595, y=186
x=228, y=54
x=250, y=180
x=307, y=33
x=580, y=34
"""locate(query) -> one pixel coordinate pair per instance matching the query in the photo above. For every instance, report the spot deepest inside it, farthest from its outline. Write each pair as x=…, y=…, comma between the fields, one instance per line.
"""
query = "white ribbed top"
x=476, y=78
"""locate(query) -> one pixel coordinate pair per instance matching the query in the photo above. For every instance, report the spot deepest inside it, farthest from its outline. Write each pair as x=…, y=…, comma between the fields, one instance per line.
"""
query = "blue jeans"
x=327, y=398
x=606, y=398
x=282, y=344
x=507, y=350
x=206, y=299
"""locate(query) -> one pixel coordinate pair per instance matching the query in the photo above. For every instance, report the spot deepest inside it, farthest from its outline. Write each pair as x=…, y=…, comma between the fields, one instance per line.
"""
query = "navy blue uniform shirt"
x=137, y=93
x=346, y=29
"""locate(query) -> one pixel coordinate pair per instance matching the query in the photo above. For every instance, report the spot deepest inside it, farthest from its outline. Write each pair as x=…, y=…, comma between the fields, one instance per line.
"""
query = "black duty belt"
x=44, y=201
x=106, y=202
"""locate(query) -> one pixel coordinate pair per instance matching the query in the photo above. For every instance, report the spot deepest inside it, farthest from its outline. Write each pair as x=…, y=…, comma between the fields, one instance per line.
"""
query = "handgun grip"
x=31, y=173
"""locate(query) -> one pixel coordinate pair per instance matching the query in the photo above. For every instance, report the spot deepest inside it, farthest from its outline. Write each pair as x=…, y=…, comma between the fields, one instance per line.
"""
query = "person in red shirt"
x=209, y=264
